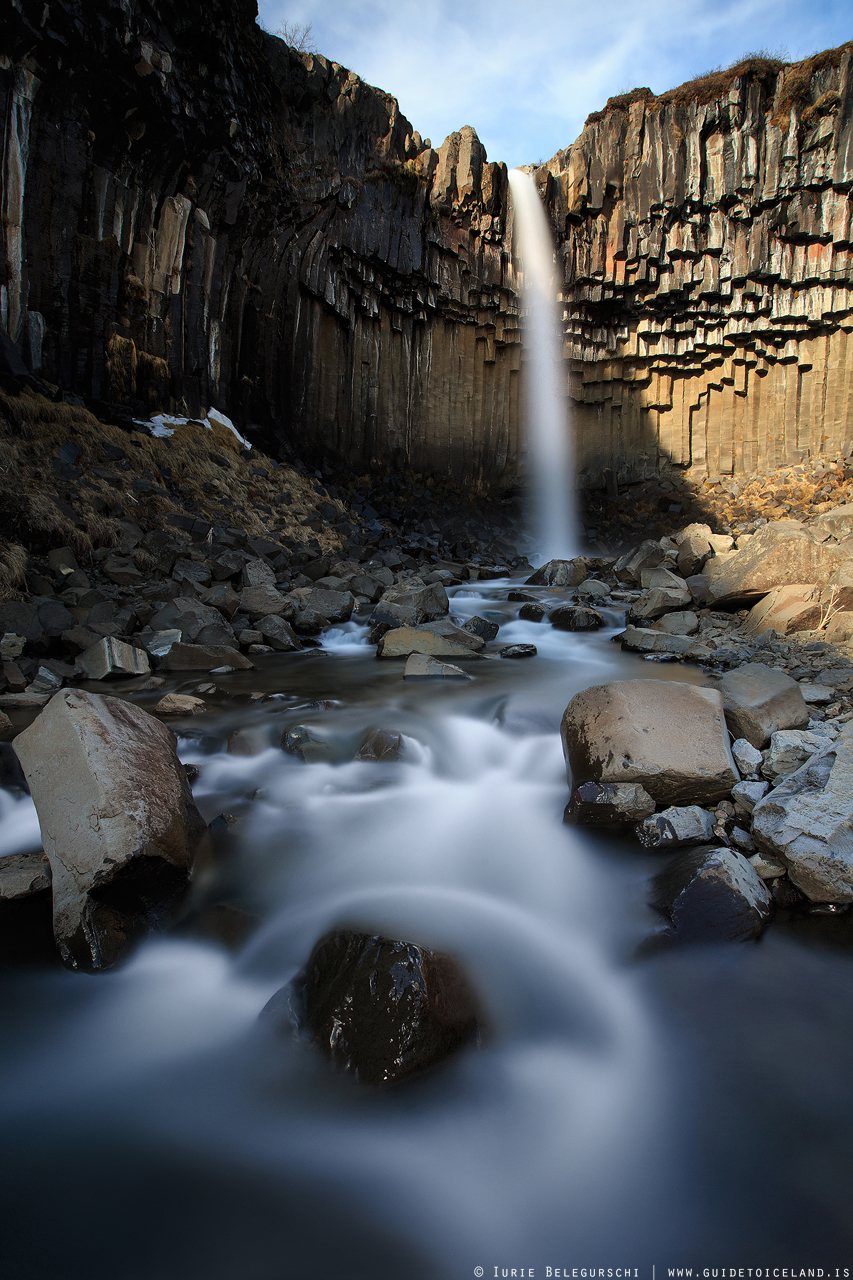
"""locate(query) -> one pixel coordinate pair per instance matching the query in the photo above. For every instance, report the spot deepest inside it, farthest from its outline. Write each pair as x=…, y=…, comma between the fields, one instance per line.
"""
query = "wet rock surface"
x=608, y=804
x=382, y=1009
x=121, y=830
x=712, y=895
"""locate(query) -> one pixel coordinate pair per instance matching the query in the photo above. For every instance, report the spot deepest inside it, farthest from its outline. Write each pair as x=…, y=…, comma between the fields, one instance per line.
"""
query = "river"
x=687, y=1109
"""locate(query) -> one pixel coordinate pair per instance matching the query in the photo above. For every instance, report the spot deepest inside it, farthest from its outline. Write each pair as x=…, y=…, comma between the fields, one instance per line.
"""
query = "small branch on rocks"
x=830, y=609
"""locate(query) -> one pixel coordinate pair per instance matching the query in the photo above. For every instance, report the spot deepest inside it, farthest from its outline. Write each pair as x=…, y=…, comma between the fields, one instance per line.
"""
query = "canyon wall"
x=194, y=214
x=707, y=283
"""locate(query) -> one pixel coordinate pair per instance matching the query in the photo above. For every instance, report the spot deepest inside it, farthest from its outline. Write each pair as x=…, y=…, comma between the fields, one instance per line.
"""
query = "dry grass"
x=13, y=568
x=763, y=66
x=224, y=491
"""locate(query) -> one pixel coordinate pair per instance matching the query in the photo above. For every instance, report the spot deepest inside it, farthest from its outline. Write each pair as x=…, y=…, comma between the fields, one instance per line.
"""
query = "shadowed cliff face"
x=708, y=288
x=194, y=214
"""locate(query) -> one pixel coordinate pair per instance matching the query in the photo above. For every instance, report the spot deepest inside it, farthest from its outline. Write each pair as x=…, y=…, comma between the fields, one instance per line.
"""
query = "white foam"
x=19, y=825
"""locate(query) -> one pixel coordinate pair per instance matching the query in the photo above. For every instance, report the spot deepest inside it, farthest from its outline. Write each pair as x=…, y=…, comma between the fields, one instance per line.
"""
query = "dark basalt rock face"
x=199, y=215
x=383, y=1009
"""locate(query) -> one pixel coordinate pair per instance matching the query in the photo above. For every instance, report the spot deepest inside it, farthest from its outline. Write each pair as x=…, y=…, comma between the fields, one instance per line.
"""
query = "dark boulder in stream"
x=712, y=895
x=382, y=1009
x=568, y=617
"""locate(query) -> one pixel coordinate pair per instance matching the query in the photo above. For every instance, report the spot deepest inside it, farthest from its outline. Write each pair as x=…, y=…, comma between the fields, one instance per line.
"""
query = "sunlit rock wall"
x=705, y=253
x=194, y=214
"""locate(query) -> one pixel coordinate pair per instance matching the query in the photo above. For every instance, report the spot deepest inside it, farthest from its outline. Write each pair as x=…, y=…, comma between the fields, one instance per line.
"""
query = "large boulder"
x=111, y=657
x=712, y=895
x=779, y=554
x=379, y=1008
x=278, y=634
x=795, y=607
x=788, y=751
x=837, y=523
x=759, y=700
x=657, y=601
x=412, y=603
x=559, y=573
x=420, y=666
x=629, y=566
x=334, y=606
x=263, y=600
x=694, y=548
x=669, y=737
x=438, y=639
x=807, y=823
x=650, y=640
x=678, y=624
x=204, y=657
x=190, y=617
x=117, y=819
x=570, y=617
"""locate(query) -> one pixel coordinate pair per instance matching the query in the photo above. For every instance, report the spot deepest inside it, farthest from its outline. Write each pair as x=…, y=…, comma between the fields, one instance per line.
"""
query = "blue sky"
x=526, y=75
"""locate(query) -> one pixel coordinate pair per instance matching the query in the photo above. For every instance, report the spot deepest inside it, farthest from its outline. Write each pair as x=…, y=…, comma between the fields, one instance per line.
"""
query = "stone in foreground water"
x=381, y=1008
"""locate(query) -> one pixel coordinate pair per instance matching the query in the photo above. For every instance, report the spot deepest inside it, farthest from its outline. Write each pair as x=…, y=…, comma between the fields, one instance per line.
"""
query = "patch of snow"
x=162, y=425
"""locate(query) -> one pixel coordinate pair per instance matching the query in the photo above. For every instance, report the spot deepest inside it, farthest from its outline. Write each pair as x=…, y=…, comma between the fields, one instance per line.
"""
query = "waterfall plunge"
x=553, y=518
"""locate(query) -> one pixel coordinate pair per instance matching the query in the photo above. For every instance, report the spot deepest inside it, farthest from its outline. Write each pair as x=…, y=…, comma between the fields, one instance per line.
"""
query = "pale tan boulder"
x=437, y=639
x=759, y=700
x=670, y=737
x=681, y=623
x=560, y=573
x=657, y=601
x=794, y=607
x=651, y=640
x=780, y=554
x=420, y=665
x=118, y=822
x=204, y=657
x=180, y=704
x=112, y=657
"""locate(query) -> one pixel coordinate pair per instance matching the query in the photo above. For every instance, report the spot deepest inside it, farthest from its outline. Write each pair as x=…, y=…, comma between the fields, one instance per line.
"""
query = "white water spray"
x=553, y=518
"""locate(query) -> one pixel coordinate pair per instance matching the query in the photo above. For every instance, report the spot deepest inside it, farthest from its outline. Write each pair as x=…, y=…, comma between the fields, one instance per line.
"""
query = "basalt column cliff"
x=708, y=285
x=195, y=214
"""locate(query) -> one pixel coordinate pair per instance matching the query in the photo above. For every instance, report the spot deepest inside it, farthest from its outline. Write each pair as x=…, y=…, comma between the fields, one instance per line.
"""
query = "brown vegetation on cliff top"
x=763, y=66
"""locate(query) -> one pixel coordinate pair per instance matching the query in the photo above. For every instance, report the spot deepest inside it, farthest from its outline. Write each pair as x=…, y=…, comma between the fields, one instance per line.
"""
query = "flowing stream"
x=690, y=1109
x=551, y=474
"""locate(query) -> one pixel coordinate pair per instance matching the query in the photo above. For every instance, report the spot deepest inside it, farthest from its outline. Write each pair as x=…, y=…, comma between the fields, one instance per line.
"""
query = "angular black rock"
x=481, y=627
x=567, y=617
x=519, y=651
x=380, y=1008
x=712, y=895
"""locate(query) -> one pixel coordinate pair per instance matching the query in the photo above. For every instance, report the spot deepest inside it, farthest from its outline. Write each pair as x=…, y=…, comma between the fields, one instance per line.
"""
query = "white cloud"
x=526, y=75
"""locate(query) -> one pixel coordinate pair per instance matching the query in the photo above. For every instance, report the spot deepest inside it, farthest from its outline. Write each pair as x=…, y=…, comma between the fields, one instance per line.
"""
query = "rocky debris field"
x=144, y=561
x=730, y=504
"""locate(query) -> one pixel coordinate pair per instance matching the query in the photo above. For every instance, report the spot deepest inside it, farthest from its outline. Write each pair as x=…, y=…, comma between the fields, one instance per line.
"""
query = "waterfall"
x=553, y=519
